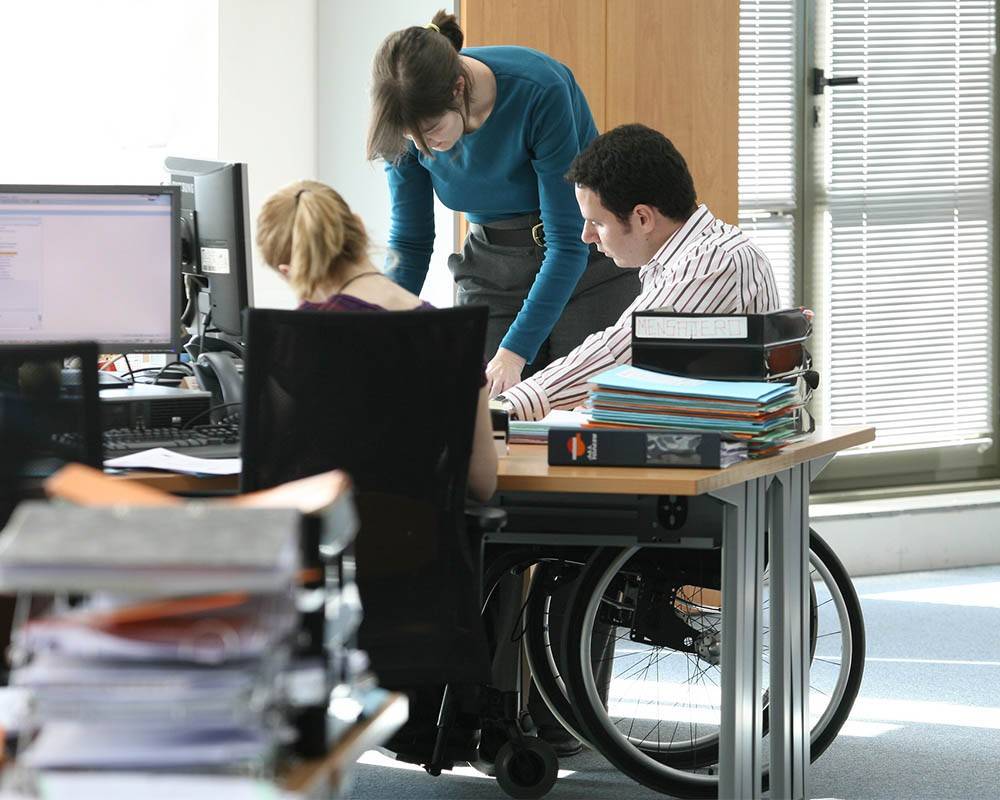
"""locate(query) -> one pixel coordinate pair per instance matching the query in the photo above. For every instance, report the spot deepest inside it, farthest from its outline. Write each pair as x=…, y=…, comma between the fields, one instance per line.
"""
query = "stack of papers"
x=762, y=414
x=195, y=548
x=151, y=684
x=173, y=657
x=537, y=432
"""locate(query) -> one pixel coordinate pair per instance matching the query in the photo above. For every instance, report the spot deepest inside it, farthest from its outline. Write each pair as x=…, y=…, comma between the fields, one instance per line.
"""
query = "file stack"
x=174, y=657
x=764, y=415
x=733, y=347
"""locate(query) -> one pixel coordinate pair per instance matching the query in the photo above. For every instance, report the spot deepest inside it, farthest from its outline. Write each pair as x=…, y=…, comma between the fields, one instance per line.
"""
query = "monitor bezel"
x=173, y=345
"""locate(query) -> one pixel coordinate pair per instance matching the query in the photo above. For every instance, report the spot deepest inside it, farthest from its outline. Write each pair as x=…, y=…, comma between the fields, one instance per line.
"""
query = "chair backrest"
x=390, y=398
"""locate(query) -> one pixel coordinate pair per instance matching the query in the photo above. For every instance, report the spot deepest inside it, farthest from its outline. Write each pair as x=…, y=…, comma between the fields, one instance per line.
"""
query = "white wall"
x=267, y=105
x=349, y=35
x=934, y=531
x=293, y=104
x=100, y=93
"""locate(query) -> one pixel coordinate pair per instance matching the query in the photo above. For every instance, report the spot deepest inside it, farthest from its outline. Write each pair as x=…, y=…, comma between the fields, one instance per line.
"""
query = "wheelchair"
x=654, y=615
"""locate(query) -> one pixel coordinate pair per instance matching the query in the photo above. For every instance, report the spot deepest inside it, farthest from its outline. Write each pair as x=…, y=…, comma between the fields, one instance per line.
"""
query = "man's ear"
x=645, y=216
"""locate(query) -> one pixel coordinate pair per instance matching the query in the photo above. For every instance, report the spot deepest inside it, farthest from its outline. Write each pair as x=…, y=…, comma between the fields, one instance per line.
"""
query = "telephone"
x=217, y=373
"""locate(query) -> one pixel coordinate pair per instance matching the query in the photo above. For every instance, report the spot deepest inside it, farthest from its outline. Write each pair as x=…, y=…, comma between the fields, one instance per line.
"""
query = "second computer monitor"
x=97, y=263
x=216, y=222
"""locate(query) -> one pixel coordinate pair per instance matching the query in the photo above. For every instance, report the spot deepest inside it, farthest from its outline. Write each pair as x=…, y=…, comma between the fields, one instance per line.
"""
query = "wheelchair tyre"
x=527, y=769
x=538, y=649
x=679, y=770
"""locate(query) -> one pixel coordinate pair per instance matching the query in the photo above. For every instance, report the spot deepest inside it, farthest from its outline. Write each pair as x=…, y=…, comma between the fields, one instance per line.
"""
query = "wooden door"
x=571, y=31
x=670, y=64
x=674, y=65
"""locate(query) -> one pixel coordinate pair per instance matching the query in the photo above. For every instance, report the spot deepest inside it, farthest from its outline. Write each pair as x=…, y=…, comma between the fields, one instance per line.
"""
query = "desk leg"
x=742, y=569
x=789, y=706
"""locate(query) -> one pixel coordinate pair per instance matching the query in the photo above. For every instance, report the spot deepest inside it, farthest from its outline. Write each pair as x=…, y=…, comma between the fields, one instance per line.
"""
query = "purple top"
x=346, y=302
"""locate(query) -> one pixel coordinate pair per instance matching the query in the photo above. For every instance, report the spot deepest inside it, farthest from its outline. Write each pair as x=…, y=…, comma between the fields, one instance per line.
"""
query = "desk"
x=311, y=778
x=778, y=486
x=176, y=483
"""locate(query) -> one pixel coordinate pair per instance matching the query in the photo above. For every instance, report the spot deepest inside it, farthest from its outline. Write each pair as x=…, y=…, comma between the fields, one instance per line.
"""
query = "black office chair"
x=390, y=398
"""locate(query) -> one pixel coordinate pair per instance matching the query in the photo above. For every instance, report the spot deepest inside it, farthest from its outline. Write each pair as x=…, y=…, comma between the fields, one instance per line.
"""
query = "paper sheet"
x=133, y=785
x=171, y=460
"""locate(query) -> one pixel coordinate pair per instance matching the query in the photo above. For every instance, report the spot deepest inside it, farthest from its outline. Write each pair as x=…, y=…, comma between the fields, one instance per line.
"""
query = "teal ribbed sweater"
x=512, y=165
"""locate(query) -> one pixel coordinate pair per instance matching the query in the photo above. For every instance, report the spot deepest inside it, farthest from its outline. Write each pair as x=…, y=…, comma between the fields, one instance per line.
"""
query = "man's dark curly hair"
x=633, y=165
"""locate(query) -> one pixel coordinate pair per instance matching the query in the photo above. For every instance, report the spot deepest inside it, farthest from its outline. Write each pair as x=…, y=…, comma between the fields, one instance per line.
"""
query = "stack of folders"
x=762, y=415
x=173, y=650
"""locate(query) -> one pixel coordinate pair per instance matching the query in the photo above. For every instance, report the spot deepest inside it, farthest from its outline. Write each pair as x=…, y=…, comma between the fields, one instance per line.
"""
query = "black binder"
x=723, y=346
x=637, y=448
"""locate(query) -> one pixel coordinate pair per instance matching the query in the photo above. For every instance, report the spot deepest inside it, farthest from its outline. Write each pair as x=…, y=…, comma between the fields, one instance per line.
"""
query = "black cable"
x=130, y=374
x=209, y=410
x=165, y=367
x=172, y=364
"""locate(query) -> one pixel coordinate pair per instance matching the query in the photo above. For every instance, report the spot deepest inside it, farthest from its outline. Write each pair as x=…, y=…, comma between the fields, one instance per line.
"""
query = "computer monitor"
x=97, y=263
x=49, y=415
x=215, y=224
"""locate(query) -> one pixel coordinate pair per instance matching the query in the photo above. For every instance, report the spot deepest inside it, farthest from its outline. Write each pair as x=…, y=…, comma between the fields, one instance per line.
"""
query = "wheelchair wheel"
x=661, y=722
x=540, y=623
x=526, y=769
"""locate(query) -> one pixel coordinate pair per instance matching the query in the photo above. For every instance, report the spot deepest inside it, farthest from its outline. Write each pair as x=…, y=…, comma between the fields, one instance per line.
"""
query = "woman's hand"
x=503, y=371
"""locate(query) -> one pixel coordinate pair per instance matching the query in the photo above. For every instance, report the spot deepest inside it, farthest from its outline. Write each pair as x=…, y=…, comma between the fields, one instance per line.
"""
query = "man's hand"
x=503, y=371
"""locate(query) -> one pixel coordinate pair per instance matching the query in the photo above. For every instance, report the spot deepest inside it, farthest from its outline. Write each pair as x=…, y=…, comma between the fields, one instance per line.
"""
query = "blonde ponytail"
x=308, y=226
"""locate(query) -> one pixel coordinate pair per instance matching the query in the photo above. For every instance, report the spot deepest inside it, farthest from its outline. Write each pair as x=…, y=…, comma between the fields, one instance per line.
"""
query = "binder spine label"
x=695, y=327
x=642, y=448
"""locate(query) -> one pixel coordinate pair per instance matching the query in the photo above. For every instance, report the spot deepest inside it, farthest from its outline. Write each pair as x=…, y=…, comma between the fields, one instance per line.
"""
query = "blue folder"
x=632, y=379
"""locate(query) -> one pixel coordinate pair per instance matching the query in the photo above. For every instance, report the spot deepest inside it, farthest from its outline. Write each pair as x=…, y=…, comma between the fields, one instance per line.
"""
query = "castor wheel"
x=526, y=769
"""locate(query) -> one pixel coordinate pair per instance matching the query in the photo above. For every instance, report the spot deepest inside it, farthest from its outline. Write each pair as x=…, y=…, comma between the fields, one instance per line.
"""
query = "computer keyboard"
x=219, y=440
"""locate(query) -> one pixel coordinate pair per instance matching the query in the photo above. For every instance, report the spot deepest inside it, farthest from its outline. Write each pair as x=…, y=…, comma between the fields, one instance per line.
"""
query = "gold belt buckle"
x=538, y=234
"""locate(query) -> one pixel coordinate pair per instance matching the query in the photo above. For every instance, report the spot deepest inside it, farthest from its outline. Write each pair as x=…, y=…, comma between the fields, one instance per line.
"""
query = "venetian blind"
x=767, y=150
x=907, y=220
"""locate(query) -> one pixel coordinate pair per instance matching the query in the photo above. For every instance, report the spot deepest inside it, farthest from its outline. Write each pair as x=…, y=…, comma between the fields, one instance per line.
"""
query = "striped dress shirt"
x=706, y=267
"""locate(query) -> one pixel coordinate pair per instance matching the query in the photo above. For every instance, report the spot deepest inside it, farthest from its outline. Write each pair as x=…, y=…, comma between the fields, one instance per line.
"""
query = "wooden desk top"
x=525, y=469
x=175, y=483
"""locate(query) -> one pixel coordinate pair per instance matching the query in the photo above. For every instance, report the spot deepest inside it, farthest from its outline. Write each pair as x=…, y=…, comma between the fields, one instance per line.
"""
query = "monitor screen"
x=216, y=224
x=98, y=263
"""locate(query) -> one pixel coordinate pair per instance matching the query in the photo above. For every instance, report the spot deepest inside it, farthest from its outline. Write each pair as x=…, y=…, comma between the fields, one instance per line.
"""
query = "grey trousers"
x=500, y=276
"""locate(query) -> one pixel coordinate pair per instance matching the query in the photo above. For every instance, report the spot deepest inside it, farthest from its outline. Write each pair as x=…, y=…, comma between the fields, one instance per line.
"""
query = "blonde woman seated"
x=312, y=238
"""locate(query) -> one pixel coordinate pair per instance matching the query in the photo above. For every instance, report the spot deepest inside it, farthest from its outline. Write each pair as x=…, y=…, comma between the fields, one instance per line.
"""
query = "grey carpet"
x=929, y=707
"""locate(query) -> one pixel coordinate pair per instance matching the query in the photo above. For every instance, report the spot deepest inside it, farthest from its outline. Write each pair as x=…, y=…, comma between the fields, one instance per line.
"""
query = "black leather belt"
x=515, y=237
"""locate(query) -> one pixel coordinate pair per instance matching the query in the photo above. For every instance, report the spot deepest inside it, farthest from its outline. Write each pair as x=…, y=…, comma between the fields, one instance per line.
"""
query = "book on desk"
x=642, y=448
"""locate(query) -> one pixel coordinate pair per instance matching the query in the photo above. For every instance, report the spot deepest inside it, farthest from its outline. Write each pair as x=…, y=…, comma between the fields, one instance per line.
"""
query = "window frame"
x=919, y=466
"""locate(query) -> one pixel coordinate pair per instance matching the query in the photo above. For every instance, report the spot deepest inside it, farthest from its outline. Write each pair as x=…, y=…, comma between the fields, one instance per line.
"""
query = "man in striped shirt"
x=638, y=203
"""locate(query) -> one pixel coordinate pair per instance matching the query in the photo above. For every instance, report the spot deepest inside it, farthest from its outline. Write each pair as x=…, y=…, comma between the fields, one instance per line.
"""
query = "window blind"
x=767, y=145
x=906, y=210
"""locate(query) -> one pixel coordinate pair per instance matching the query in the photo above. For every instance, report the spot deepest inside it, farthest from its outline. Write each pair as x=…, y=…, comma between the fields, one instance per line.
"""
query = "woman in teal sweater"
x=492, y=131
